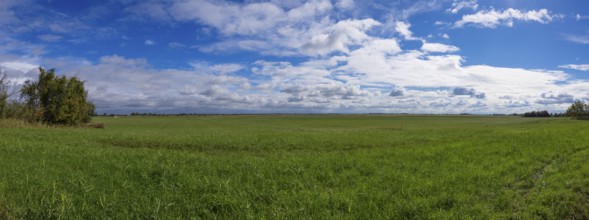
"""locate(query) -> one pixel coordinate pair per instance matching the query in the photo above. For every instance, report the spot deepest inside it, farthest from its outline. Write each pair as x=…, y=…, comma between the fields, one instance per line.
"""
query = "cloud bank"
x=312, y=56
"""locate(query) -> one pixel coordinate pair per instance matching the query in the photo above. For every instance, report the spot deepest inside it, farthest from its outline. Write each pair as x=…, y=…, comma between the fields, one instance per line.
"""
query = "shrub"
x=578, y=110
x=56, y=100
x=537, y=114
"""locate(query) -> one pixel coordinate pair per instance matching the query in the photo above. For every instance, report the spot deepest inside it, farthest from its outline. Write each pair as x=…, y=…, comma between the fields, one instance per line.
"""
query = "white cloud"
x=403, y=29
x=441, y=23
x=397, y=92
x=492, y=18
x=579, y=17
x=341, y=66
x=149, y=42
x=176, y=45
x=19, y=66
x=345, y=4
x=438, y=48
x=226, y=68
x=458, y=5
x=247, y=19
x=581, y=67
x=8, y=17
x=376, y=77
x=416, y=7
x=576, y=38
x=50, y=37
x=148, y=10
x=339, y=36
x=550, y=97
x=276, y=28
x=458, y=91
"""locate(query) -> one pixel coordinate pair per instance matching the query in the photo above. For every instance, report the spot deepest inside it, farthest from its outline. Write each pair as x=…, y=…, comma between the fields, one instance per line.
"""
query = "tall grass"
x=307, y=166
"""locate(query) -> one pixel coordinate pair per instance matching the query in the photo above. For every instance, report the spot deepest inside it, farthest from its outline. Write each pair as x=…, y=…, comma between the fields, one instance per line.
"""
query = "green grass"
x=298, y=166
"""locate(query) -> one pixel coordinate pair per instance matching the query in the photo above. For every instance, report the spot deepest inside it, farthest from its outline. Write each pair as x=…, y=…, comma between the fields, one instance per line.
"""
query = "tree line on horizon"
x=577, y=110
x=52, y=99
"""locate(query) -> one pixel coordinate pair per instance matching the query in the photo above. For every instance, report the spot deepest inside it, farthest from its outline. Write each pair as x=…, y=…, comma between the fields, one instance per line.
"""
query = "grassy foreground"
x=305, y=166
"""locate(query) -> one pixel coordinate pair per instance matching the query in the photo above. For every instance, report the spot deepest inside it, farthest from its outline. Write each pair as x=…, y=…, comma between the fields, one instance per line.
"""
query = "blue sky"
x=320, y=56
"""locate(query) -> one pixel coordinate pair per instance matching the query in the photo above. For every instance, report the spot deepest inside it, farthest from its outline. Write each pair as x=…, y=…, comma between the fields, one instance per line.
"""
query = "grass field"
x=298, y=166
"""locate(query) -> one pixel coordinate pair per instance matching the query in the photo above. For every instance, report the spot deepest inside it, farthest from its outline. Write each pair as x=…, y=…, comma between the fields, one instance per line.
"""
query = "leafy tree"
x=57, y=99
x=3, y=94
x=8, y=108
x=578, y=110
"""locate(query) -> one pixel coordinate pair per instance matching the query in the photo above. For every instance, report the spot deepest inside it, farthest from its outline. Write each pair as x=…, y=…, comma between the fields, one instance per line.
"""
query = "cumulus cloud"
x=555, y=98
x=492, y=18
x=248, y=19
x=339, y=36
x=438, y=47
x=403, y=29
x=581, y=67
x=516, y=103
x=397, y=92
x=365, y=80
x=461, y=91
x=341, y=65
x=440, y=103
x=276, y=28
x=345, y=4
x=19, y=66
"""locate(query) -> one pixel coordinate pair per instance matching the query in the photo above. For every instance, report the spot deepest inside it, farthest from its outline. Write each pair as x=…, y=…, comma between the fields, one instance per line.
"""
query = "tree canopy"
x=57, y=99
x=543, y=113
x=3, y=93
x=578, y=110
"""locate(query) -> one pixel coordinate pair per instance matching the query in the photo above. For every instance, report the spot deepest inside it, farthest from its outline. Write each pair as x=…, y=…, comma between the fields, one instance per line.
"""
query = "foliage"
x=578, y=110
x=303, y=166
x=4, y=94
x=537, y=114
x=14, y=110
x=57, y=100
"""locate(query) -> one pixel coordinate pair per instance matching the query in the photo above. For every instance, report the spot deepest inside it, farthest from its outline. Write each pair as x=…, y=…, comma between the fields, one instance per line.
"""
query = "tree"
x=8, y=107
x=57, y=99
x=3, y=93
x=578, y=110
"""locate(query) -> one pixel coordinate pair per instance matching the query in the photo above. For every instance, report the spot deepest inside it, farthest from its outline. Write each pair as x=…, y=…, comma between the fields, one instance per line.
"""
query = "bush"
x=56, y=100
x=537, y=114
x=578, y=110
x=4, y=94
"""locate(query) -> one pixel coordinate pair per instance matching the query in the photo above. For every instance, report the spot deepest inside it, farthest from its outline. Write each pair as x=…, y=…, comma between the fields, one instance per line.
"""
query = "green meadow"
x=298, y=167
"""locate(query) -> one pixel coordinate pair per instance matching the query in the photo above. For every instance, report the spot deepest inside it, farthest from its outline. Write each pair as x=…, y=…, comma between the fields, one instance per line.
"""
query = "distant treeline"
x=542, y=114
x=145, y=114
x=577, y=110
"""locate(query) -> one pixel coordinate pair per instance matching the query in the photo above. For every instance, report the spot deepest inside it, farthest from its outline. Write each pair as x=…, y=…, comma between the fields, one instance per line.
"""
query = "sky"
x=317, y=56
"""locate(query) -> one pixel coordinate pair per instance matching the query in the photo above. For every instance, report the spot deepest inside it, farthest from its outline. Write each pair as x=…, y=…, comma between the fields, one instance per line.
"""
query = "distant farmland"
x=298, y=166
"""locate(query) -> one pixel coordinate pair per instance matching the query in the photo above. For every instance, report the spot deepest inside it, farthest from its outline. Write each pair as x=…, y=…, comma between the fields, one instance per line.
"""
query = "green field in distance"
x=298, y=166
